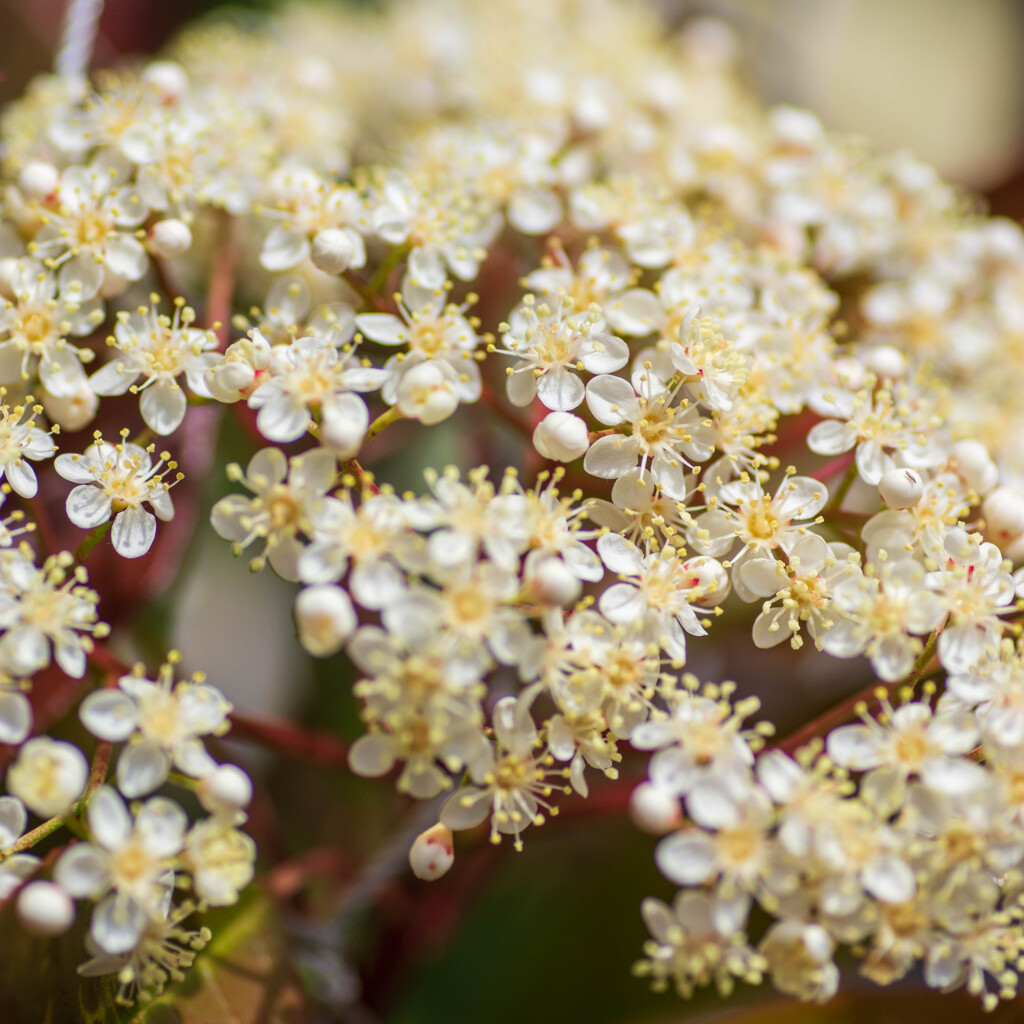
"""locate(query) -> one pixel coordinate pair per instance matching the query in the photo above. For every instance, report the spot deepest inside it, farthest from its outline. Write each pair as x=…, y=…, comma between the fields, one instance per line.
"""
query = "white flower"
x=668, y=437
x=551, y=343
x=663, y=596
x=285, y=496
x=708, y=354
x=561, y=437
x=129, y=866
x=21, y=439
x=42, y=609
x=116, y=480
x=428, y=392
x=37, y=326
x=48, y=776
x=159, y=349
x=325, y=618
x=221, y=860
x=799, y=961
x=162, y=720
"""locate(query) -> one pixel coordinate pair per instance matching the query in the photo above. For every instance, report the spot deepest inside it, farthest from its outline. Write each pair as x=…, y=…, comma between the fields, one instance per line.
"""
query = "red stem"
x=315, y=745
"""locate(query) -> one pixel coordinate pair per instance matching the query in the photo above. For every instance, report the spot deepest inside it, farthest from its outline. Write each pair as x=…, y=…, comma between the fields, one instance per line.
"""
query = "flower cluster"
x=715, y=379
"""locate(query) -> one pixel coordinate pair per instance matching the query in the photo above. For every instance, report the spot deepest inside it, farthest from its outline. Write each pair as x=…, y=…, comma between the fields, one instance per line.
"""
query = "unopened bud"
x=552, y=583
x=433, y=853
x=561, y=437
x=1003, y=510
x=44, y=908
x=325, y=618
x=427, y=392
x=901, y=488
x=168, y=79
x=886, y=362
x=654, y=809
x=169, y=238
x=38, y=180
x=973, y=463
x=333, y=251
x=225, y=790
x=72, y=412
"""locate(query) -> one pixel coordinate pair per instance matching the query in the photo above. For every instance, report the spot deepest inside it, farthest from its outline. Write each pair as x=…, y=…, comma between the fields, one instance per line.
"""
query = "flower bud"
x=8, y=275
x=709, y=574
x=901, y=488
x=552, y=583
x=974, y=465
x=225, y=790
x=1003, y=510
x=48, y=776
x=561, y=437
x=325, y=619
x=886, y=362
x=169, y=238
x=332, y=251
x=427, y=392
x=433, y=853
x=72, y=412
x=168, y=79
x=38, y=180
x=654, y=809
x=44, y=908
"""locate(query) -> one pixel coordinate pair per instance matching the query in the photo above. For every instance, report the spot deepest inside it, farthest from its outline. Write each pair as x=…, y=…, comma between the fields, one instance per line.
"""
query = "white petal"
x=141, y=768
x=109, y=714
x=889, y=879
x=88, y=506
x=133, y=532
x=82, y=871
x=163, y=407
x=686, y=858
x=109, y=819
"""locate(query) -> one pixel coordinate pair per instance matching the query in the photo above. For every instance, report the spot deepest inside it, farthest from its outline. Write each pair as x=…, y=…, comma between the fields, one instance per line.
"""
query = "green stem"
x=836, y=501
x=382, y=422
x=386, y=266
x=92, y=539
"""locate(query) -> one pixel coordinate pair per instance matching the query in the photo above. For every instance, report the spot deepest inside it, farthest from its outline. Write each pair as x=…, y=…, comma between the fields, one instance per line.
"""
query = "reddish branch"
x=316, y=745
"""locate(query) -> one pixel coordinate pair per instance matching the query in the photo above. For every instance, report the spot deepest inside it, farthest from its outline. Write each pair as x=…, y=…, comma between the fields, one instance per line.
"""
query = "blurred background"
x=548, y=935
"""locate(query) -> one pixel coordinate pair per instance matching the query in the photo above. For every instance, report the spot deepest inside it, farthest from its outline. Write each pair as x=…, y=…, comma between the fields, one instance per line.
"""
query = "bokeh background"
x=549, y=934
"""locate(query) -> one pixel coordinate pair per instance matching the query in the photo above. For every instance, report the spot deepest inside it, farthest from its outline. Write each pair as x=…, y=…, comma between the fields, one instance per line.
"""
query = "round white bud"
x=709, y=574
x=225, y=790
x=561, y=437
x=552, y=583
x=427, y=392
x=38, y=180
x=325, y=618
x=901, y=488
x=432, y=853
x=168, y=79
x=973, y=463
x=169, y=238
x=48, y=776
x=886, y=362
x=333, y=251
x=72, y=412
x=1003, y=510
x=654, y=809
x=44, y=908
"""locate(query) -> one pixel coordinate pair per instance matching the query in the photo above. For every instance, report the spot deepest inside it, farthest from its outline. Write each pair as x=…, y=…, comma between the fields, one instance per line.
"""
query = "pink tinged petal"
x=109, y=715
x=163, y=407
x=855, y=747
x=82, y=871
x=620, y=555
x=161, y=823
x=133, y=532
x=117, y=924
x=953, y=776
x=88, y=506
x=109, y=820
x=831, y=438
x=371, y=755
x=611, y=457
x=15, y=722
x=686, y=858
x=611, y=399
x=560, y=389
x=889, y=880
x=466, y=808
x=141, y=768
x=22, y=478
x=383, y=328
x=284, y=248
